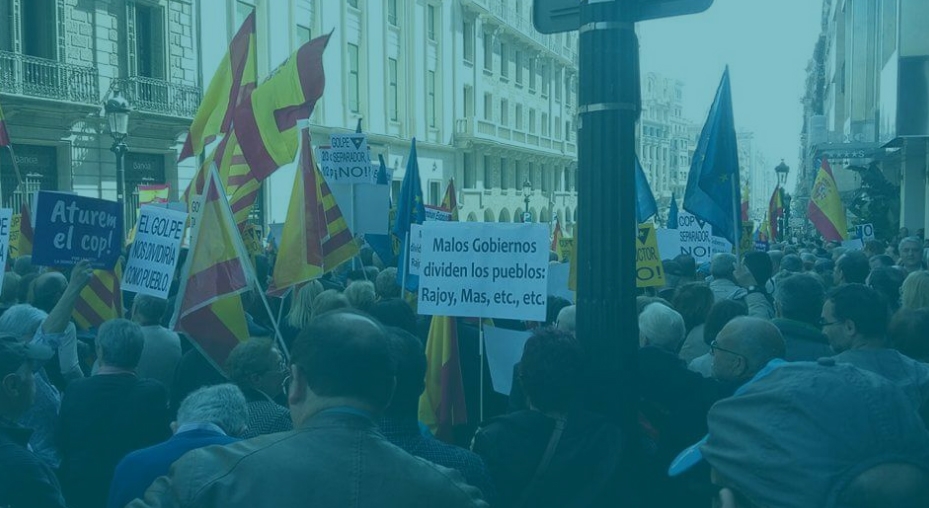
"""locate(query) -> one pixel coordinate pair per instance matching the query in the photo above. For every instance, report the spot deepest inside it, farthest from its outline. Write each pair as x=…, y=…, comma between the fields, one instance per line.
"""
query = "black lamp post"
x=782, y=170
x=527, y=191
x=117, y=115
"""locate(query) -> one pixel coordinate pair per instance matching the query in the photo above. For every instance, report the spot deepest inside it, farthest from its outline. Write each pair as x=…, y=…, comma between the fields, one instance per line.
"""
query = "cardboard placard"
x=70, y=228
x=154, y=253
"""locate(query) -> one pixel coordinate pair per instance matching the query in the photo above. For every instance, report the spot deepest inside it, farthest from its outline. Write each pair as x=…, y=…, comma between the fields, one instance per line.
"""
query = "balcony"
x=509, y=16
x=476, y=130
x=149, y=95
x=48, y=79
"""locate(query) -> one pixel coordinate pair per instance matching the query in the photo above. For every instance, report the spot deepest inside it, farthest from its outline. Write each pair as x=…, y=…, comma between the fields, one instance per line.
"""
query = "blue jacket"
x=140, y=468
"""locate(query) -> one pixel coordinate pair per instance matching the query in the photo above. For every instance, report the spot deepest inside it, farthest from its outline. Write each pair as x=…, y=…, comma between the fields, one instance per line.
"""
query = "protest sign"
x=695, y=237
x=853, y=244
x=364, y=207
x=154, y=253
x=719, y=245
x=436, y=213
x=483, y=269
x=558, y=274
x=70, y=228
x=565, y=248
x=762, y=246
x=648, y=269
x=504, y=349
x=347, y=160
x=669, y=243
x=6, y=219
x=865, y=232
x=416, y=248
x=15, y=221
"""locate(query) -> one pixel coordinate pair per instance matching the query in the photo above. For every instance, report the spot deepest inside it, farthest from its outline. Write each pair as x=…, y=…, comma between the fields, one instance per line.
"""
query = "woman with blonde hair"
x=301, y=310
x=915, y=290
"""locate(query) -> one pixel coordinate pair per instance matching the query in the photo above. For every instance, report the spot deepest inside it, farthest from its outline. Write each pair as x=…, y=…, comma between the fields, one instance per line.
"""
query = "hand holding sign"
x=71, y=228
x=80, y=277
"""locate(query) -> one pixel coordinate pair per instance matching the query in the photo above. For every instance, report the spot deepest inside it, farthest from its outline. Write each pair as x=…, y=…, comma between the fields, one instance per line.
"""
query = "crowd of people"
x=796, y=377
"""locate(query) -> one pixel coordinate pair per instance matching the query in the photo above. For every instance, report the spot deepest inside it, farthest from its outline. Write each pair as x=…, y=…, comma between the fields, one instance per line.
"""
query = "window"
x=430, y=98
x=558, y=85
x=467, y=32
x=545, y=124
x=430, y=21
x=569, y=90
x=546, y=79
x=568, y=133
x=519, y=117
x=504, y=112
x=393, y=98
x=488, y=51
x=531, y=121
x=504, y=174
x=353, y=3
x=486, y=173
x=434, y=193
x=150, y=42
x=488, y=107
x=303, y=35
x=546, y=178
x=354, y=83
x=518, y=61
x=40, y=31
x=6, y=25
x=392, y=12
x=468, y=101
x=470, y=175
x=532, y=76
x=504, y=61
x=557, y=127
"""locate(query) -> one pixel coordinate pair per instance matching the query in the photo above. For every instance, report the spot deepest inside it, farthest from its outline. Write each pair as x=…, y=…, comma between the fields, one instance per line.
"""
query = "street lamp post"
x=117, y=114
x=527, y=191
x=782, y=171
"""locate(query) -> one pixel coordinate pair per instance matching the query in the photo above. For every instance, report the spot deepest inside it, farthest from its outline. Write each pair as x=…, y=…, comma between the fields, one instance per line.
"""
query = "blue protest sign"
x=70, y=228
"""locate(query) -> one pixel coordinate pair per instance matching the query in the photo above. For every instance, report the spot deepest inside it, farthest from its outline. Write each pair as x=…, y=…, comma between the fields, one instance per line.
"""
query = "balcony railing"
x=511, y=17
x=159, y=96
x=49, y=79
x=481, y=129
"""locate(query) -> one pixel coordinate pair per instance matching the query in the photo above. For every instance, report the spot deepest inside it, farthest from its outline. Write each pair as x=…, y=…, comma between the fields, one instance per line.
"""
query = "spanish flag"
x=101, y=300
x=442, y=404
x=316, y=238
x=234, y=80
x=826, y=210
x=266, y=122
x=26, y=233
x=209, y=305
x=556, y=236
x=234, y=175
x=450, y=201
x=4, y=135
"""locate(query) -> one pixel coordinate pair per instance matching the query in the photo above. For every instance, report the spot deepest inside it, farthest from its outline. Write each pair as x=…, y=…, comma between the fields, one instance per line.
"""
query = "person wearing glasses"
x=258, y=368
x=743, y=347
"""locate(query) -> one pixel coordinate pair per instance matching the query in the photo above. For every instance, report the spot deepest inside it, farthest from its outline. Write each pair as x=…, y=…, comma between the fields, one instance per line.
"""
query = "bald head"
x=47, y=290
x=744, y=346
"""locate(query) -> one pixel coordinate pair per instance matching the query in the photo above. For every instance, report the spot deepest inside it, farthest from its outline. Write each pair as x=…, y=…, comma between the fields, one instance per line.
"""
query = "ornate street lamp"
x=527, y=191
x=117, y=115
x=782, y=171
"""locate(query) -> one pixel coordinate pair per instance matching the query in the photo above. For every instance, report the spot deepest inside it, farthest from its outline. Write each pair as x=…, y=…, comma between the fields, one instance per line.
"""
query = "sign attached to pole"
x=482, y=269
x=696, y=237
x=436, y=213
x=153, y=257
x=15, y=223
x=865, y=232
x=416, y=248
x=70, y=228
x=648, y=269
x=347, y=160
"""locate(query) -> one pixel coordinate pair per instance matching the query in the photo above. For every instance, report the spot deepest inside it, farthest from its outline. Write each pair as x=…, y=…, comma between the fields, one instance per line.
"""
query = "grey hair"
x=386, y=284
x=723, y=266
x=360, y=295
x=222, y=405
x=150, y=308
x=22, y=321
x=662, y=326
x=567, y=319
x=910, y=239
x=120, y=343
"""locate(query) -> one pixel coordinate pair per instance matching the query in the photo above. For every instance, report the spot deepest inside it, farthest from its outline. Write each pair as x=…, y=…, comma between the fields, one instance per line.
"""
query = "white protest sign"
x=6, y=219
x=153, y=257
x=484, y=269
x=865, y=232
x=720, y=245
x=669, y=243
x=347, y=159
x=504, y=350
x=416, y=248
x=558, y=274
x=436, y=213
x=695, y=237
x=853, y=244
x=367, y=211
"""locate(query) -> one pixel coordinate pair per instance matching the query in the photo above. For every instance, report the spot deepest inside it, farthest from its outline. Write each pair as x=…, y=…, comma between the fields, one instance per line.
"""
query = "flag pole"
x=480, y=342
x=406, y=260
x=736, y=220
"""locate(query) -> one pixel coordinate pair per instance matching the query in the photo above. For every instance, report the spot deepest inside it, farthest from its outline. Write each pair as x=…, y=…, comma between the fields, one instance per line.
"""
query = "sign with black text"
x=70, y=228
x=347, y=160
x=648, y=268
x=153, y=256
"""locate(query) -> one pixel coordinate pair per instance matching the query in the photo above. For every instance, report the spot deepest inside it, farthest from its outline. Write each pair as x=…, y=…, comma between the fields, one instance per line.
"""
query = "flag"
x=556, y=236
x=4, y=135
x=645, y=205
x=450, y=201
x=442, y=403
x=209, y=306
x=775, y=212
x=266, y=122
x=745, y=204
x=101, y=300
x=316, y=238
x=235, y=78
x=713, y=191
x=26, y=232
x=410, y=210
x=826, y=210
x=153, y=194
x=672, y=213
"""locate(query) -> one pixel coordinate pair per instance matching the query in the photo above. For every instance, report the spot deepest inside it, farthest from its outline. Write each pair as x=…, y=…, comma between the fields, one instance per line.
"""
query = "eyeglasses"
x=714, y=347
x=823, y=323
x=285, y=385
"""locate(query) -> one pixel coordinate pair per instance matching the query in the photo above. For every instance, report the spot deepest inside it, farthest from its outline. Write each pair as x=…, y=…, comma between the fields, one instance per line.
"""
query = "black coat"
x=25, y=481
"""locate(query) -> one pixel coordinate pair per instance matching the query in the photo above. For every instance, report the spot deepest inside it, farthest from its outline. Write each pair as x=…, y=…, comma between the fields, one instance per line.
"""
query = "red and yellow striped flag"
x=316, y=238
x=209, y=307
x=26, y=233
x=556, y=237
x=826, y=210
x=4, y=135
x=234, y=174
x=101, y=300
x=442, y=404
x=450, y=201
x=234, y=79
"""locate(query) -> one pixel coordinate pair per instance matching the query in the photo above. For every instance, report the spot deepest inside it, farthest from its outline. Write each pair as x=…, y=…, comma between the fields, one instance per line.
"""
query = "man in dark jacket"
x=799, y=299
x=106, y=416
x=25, y=481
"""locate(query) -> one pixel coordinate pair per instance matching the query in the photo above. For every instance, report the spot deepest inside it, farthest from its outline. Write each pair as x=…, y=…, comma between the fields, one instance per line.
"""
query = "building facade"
x=61, y=59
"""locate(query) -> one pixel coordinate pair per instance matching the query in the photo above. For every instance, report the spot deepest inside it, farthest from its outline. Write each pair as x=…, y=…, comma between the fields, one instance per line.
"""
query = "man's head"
x=720, y=314
x=551, y=370
x=911, y=251
x=147, y=310
x=257, y=365
x=661, y=326
x=723, y=266
x=852, y=268
x=23, y=265
x=222, y=405
x=22, y=321
x=386, y=284
x=328, y=301
x=361, y=295
x=693, y=301
x=874, y=248
x=800, y=297
x=341, y=359
x=567, y=319
x=760, y=265
x=409, y=359
x=743, y=347
x=119, y=344
x=792, y=263
x=880, y=261
x=18, y=360
x=854, y=316
x=687, y=266
x=10, y=288
x=48, y=289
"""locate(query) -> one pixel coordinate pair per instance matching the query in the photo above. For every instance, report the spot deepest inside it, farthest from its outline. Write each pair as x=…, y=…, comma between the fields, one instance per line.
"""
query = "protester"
x=911, y=253
x=807, y=434
x=386, y=284
x=661, y=326
x=743, y=347
x=361, y=295
x=881, y=260
x=915, y=290
x=887, y=281
x=8, y=291
x=301, y=310
x=108, y=415
x=791, y=263
x=720, y=314
x=552, y=455
x=329, y=300
x=193, y=371
x=851, y=268
x=909, y=333
x=553, y=307
x=395, y=313
x=214, y=415
x=401, y=427
x=688, y=268
x=23, y=266
x=258, y=368
x=162, y=350
x=341, y=379
x=693, y=301
x=24, y=289
x=874, y=248
x=26, y=481
x=738, y=283
x=567, y=319
x=798, y=302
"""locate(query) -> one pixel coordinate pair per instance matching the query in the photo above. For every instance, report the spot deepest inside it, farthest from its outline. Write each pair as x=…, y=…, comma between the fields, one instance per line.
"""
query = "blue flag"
x=410, y=210
x=645, y=205
x=713, y=191
x=382, y=244
x=672, y=213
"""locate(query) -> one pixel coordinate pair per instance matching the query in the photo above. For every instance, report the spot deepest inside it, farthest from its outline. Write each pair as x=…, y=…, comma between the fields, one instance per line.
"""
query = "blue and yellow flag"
x=410, y=210
x=645, y=204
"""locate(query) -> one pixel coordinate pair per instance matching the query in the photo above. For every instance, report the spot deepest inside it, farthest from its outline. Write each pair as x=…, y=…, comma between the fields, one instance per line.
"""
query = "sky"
x=767, y=45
